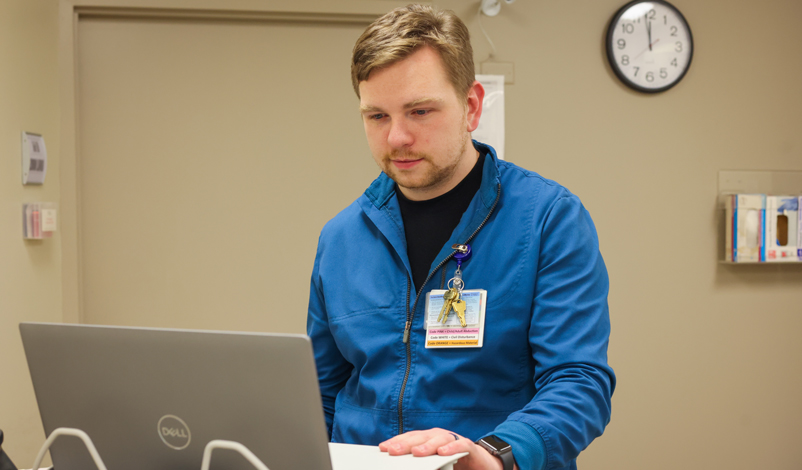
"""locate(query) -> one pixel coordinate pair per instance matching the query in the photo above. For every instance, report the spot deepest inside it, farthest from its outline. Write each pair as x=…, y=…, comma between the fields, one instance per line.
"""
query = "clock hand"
x=647, y=49
x=648, y=29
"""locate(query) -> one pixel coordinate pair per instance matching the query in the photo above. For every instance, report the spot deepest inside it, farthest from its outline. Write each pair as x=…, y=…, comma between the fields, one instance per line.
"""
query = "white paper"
x=491, y=124
x=48, y=220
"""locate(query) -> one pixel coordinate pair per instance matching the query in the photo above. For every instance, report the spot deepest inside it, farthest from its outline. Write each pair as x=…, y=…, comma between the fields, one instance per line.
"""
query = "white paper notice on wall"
x=34, y=158
x=491, y=124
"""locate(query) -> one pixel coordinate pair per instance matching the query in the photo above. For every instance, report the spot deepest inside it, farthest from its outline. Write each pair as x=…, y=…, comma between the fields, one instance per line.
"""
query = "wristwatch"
x=498, y=448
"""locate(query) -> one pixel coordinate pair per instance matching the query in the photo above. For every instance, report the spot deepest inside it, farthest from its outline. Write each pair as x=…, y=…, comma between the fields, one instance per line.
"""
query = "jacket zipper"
x=411, y=314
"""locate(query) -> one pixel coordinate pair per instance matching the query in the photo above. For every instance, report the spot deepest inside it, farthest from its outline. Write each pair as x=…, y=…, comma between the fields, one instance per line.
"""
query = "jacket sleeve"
x=568, y=334
x=333, y=369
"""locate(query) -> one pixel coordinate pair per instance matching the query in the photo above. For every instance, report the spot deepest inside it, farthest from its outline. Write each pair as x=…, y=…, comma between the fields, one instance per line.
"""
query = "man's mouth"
x=406, y=164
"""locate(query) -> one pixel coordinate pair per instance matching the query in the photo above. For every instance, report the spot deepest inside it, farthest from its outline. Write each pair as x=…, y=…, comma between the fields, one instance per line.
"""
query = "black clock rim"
x=621, y=76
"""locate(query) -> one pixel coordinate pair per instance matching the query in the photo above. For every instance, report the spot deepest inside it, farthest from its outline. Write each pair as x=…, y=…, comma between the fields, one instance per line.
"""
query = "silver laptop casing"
x=151, y=399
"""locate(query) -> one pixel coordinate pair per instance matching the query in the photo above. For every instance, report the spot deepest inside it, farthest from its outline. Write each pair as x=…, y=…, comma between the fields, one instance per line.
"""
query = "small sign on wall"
x=34, y=158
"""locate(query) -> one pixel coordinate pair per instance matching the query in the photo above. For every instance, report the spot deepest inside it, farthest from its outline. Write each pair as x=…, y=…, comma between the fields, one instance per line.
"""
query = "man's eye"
x=377, y=117
x=420, y=112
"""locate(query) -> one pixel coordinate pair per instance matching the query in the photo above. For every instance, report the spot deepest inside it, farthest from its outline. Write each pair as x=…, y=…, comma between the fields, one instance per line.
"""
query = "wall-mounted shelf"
x=759, y=181
x=761, y=229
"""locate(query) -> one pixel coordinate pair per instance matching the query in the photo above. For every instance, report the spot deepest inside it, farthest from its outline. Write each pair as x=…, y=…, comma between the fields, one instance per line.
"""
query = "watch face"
x=649, y=45
x=497, y=444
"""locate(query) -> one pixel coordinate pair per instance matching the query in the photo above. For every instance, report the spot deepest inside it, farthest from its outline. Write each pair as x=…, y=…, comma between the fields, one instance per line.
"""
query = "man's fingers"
x=403, y=444
x=455, y=446
x=439, y=443
x=420, y=443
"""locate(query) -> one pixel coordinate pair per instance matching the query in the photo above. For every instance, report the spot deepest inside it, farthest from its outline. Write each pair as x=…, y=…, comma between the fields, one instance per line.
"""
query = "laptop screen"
x=153, y=398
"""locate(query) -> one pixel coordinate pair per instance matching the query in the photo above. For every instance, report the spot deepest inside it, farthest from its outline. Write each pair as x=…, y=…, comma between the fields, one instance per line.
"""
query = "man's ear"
x=476, y=95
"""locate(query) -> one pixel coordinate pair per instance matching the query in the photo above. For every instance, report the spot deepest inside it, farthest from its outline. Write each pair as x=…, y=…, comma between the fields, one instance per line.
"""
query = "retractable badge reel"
x=463, y=254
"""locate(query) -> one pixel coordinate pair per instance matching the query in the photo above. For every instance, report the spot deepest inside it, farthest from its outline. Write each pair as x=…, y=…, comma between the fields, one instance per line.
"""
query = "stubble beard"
x=432, y=176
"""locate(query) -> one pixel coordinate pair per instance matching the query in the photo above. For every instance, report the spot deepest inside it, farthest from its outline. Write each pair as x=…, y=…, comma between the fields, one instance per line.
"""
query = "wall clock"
x=649, y=45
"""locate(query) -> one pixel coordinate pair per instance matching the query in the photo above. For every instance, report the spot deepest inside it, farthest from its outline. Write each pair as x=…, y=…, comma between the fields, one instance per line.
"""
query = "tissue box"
x=782, y=229
x=745, y=216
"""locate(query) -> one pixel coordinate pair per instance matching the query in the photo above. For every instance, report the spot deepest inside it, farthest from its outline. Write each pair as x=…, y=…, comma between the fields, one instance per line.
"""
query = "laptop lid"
x=153, y=398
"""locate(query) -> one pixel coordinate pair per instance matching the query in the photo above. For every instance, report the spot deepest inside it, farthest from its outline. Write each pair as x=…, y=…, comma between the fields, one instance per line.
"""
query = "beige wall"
x=709, y=357
x=30, y=271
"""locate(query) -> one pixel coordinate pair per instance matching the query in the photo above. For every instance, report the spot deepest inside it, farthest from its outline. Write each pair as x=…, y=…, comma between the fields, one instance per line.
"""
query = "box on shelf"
x=745, y=227
x=799, y=230
x=782, y=229
x=38, y=220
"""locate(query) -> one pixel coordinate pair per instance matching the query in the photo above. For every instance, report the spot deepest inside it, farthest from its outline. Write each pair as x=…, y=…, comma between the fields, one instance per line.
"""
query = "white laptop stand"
x=207, y=451
x=231, y=445
x=69, y=432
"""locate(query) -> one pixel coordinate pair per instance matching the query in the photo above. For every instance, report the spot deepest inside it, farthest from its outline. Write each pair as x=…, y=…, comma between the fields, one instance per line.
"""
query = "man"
x=538, y=390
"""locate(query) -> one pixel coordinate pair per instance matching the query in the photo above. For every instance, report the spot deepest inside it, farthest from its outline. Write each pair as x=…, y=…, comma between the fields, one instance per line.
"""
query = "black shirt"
x=428, y=224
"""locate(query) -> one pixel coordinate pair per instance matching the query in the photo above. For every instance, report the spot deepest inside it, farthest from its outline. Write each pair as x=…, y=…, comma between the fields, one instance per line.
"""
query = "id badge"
x=451, y=333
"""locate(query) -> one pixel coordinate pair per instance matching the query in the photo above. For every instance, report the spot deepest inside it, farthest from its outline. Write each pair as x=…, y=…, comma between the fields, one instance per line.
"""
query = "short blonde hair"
x=399, y=33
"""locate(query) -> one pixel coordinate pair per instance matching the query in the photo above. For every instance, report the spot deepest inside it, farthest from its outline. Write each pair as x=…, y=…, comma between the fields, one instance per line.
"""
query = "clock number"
x=665, y=19
x=650, y=76
x=624, y=60
x=674, y=31
x=622, y=43
x=628, y=28
x=674, y=62
x=651, y=14
x=636, y=70
x=679, y=47
x=663, y=72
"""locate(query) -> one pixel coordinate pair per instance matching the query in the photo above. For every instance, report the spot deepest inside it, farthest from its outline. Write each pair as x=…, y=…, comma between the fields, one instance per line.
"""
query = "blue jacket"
x=541, y=380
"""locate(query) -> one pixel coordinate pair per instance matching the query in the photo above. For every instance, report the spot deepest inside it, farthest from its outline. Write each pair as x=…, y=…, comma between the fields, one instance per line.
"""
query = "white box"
x=782, y=229
x=745, y=217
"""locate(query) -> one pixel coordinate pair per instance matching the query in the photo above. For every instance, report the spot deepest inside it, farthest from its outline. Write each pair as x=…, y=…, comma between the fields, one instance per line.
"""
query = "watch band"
x=498, y=448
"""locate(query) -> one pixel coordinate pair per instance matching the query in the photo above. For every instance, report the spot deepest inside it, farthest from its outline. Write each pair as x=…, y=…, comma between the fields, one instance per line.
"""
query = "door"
x=211, y=153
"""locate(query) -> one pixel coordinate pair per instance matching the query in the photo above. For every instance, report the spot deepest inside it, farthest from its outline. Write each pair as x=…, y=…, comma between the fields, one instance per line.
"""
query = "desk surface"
x=356, y=457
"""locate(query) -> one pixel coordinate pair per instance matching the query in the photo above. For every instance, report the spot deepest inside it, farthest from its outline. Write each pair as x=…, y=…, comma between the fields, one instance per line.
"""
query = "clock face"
x=649, y=45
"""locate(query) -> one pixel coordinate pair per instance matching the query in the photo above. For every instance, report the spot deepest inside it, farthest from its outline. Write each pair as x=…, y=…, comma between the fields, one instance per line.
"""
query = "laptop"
x=153, y=398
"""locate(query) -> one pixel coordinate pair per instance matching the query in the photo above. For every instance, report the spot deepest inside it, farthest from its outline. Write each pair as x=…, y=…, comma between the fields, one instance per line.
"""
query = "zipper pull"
x=406, y=332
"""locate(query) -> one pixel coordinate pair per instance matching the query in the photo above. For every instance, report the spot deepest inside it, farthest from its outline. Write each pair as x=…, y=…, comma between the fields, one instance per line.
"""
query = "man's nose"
x=400, y=135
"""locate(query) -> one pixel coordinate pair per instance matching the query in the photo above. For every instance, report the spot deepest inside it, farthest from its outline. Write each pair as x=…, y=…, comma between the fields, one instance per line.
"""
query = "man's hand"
x=441, y=442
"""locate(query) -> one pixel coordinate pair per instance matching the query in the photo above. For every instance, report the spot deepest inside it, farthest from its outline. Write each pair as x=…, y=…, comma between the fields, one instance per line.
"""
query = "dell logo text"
x=174, y=432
